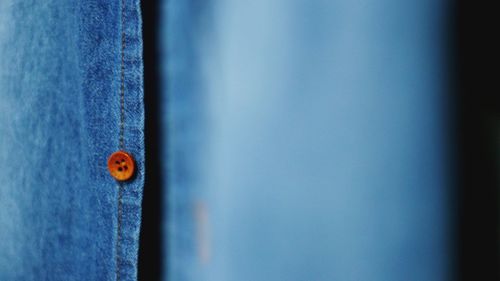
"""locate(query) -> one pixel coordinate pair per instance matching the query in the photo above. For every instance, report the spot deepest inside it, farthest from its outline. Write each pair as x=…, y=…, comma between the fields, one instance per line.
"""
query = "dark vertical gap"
x=151, y=238
x=477, y=143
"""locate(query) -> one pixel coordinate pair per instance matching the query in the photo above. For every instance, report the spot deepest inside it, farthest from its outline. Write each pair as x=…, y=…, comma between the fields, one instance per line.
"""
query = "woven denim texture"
x=60, y=104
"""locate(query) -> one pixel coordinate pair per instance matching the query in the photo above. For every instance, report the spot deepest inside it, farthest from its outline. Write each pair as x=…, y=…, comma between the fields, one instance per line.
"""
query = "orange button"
x=121, y=165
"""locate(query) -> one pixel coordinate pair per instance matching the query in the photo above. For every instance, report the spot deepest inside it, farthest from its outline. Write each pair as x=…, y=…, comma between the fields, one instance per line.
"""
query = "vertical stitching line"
x=119, y=227
x=122, y=73
x=122, y=141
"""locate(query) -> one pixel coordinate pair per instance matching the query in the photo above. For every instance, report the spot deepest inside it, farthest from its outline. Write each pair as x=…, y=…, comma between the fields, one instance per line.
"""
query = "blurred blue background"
x=305, y=140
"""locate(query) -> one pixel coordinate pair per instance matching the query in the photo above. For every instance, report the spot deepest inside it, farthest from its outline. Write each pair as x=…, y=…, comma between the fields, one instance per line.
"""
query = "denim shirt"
x=302, y=140
x=62, y=216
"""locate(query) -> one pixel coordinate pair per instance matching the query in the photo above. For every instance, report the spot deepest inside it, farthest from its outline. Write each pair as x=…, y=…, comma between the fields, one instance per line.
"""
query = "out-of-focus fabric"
x=60, y=104
x=305, y=140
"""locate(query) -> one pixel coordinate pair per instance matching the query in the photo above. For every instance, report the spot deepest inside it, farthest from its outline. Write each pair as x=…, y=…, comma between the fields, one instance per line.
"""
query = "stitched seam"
x=119, y=228
x=122, y=79
x=122, y=141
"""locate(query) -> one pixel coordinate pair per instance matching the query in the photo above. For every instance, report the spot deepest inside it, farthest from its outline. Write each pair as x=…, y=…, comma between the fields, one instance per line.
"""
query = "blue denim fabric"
x=305, y=140
x=62, y=216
